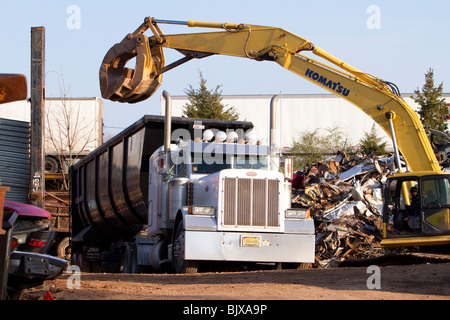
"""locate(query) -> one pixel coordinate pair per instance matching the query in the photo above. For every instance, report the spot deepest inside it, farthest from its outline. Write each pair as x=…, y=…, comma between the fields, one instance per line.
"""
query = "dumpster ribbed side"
x=15, y=159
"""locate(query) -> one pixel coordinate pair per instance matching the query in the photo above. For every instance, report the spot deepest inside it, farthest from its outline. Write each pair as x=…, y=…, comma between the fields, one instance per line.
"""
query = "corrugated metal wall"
x=15, y=158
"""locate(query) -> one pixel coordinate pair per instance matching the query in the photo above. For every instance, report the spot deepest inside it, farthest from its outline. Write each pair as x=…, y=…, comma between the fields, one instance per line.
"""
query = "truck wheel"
x=74, y=259
x=158, y=254
x=130, y=259
x=180, y=264
x=63, y=249
x=51, y=165
x=84, y=265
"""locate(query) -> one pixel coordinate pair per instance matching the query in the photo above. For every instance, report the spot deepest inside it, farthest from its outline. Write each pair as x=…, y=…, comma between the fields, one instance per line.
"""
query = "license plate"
x=250, y=241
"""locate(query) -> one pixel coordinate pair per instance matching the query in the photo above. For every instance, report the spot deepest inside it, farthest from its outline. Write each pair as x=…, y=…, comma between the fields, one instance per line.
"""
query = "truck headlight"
x=201, y=210
x=297, y=213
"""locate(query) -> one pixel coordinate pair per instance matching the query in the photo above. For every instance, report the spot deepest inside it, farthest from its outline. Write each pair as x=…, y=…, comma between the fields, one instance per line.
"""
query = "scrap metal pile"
x=345, y=199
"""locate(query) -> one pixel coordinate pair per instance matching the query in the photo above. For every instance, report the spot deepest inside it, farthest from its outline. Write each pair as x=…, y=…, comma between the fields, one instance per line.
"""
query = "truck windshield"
x=249, y=162
x=203, y=163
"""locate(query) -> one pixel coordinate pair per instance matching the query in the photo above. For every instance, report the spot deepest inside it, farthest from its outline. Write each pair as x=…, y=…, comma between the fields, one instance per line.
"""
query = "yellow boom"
x=377, y=98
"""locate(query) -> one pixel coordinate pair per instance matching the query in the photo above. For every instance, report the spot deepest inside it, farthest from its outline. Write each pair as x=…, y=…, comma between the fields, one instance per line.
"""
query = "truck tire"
x=63, y=249
x=158, y=255
x=111, y=261
x=82, y=263
x=130, y=259
x=181, y=265
x=51, y=165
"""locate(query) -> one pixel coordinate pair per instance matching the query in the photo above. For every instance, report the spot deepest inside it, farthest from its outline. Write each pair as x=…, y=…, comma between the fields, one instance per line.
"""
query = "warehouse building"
x=297, y=113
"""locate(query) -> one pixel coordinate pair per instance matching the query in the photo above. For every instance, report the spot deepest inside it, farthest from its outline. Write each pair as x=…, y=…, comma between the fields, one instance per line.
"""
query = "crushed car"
x=30, y=262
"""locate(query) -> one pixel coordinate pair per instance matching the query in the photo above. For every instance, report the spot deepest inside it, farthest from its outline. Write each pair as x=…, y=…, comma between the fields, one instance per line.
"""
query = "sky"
x=395, y=40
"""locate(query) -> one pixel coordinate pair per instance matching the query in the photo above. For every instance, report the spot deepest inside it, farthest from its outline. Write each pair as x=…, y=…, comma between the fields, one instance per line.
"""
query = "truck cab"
x=209, y=197
x=219, y=201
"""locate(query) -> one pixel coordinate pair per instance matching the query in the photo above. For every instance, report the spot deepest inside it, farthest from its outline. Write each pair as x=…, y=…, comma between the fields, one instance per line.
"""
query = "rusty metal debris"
x=344, y=198
x=440, y=141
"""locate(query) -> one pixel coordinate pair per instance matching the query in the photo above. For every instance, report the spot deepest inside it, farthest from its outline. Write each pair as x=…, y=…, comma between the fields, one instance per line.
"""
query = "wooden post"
x=37, y=189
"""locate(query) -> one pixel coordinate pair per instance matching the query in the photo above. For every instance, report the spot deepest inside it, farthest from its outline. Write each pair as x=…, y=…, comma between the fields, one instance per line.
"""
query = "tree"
x=312, y=146
x=207, y=104
x=67, y=134
x=372, y=143
x=433, y=109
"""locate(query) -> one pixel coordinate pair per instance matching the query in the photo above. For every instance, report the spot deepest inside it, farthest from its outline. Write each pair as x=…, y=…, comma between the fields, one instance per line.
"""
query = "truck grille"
x=251, y=202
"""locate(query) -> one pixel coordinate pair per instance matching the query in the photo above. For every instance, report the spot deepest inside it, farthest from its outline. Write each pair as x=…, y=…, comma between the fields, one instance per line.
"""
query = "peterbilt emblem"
x=251, y=174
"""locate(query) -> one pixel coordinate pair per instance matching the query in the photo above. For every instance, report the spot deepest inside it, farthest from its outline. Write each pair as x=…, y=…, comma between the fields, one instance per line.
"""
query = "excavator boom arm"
x=377, y=98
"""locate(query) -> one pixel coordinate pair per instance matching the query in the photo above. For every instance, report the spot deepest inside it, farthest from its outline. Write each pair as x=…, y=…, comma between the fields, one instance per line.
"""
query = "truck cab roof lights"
x=251, y=138
x=232, y=137
x=208, y=135
x=221, y=136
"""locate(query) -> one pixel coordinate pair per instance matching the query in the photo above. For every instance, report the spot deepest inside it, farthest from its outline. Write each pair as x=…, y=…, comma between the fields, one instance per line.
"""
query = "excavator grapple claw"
x=122, y=84
x=13, y=87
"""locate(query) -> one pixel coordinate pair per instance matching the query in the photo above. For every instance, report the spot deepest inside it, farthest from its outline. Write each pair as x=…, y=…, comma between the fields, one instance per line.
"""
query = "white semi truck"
x=199, y=197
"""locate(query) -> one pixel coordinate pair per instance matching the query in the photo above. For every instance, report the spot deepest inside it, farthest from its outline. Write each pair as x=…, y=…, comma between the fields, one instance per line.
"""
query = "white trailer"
x=73, y=127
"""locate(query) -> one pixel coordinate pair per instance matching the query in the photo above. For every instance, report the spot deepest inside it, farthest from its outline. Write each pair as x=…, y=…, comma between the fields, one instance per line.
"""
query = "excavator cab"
x=416, y=210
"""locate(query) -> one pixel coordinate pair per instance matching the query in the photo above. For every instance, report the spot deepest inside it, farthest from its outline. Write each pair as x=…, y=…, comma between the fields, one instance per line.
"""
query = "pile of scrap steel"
x=345, y=199
x=440, y=142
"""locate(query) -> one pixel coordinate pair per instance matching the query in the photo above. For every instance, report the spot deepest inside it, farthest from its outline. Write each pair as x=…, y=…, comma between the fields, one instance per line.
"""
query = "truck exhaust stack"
x=167, y=124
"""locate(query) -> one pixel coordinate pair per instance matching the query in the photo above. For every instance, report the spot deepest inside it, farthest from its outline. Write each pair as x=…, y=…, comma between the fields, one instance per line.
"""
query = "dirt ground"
x=430, y=281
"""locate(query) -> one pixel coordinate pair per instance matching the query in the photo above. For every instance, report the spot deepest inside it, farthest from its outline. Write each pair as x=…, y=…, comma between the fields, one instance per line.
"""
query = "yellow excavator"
x=416, y=219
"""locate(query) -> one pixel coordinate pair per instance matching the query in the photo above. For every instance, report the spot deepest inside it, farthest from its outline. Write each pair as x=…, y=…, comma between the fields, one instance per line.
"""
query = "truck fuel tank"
x=178, y=188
